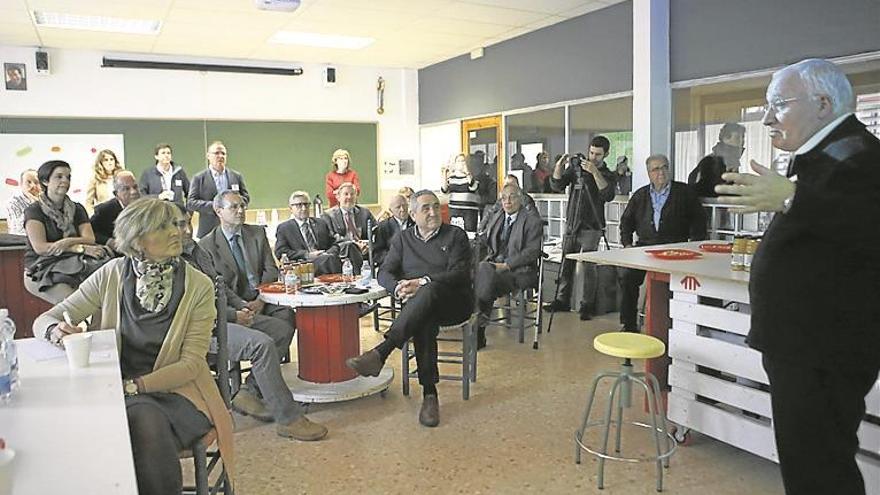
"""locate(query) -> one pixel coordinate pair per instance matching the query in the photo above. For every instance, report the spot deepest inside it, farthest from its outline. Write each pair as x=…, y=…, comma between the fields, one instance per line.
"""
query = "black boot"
x=585, y=312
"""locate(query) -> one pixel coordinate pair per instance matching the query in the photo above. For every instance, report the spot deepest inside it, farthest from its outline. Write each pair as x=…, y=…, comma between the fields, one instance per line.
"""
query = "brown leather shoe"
x=369, y=363
x=302, y=429
x=247, y=403
x=429, y=415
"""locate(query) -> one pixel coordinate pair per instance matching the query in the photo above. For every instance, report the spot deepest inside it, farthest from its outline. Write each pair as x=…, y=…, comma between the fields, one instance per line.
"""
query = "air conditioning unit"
x=279, y=5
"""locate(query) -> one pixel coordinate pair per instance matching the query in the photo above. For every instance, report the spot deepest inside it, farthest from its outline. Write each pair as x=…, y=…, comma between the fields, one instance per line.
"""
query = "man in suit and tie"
x=387, y=229
x=514, y=244
x=304, y=238
x=242, y=255
x=348, y=223
x=661, y=212
x=125, y=191
x=207, y=183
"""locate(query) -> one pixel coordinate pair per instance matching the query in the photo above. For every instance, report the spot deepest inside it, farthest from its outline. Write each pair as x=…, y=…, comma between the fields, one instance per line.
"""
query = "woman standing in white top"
x=100, y=186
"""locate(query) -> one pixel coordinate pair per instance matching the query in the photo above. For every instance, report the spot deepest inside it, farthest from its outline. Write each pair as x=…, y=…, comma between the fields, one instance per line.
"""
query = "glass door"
x=481, y=143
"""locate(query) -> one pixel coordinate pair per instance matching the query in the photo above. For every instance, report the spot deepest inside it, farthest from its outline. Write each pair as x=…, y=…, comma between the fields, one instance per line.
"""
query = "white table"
x=328, y=333
x=703, y=335
x=69, y=428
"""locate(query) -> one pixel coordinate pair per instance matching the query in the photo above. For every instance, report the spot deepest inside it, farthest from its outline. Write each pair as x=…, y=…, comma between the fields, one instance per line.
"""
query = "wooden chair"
x=203, y=452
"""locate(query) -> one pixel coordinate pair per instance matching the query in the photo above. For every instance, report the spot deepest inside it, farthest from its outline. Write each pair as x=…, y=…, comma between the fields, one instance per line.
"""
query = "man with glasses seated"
x=242, y=256
x=662, y=212
x=305, y=238
x=514, y=239
x=428, y=268
x=348, y=223
x=248, y=344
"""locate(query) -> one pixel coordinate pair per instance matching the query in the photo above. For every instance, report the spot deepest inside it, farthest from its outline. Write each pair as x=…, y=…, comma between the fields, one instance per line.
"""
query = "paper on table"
x=39, y=350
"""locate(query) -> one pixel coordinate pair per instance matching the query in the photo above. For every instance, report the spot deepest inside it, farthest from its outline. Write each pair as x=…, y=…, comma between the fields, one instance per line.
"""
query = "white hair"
x=823, y=78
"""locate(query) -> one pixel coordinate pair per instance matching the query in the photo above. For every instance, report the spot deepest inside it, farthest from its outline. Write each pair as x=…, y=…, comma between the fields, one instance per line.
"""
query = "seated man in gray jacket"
x=264, y=395
x=513, y=238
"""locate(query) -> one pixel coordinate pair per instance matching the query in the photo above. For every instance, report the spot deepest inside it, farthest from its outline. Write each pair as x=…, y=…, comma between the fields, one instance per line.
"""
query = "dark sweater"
x=815, y=279
x=445, y=258
x=681, y=219
x=586, y=202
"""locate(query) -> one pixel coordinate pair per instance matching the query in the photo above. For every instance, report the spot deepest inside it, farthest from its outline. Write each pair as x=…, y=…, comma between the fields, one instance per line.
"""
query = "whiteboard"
x=19, y=152
x=438, y=146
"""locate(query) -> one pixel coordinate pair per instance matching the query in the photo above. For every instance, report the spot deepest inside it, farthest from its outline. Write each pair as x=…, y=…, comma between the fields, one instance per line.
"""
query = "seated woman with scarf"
x=163, y=312
x=61, y=249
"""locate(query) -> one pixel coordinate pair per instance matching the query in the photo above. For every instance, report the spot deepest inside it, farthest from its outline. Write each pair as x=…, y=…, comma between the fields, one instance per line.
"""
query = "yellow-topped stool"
x=628, y=346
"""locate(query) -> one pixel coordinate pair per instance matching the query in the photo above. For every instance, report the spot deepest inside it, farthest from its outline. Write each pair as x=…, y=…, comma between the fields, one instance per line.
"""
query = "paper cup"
x=77, y=346
x=7, y=456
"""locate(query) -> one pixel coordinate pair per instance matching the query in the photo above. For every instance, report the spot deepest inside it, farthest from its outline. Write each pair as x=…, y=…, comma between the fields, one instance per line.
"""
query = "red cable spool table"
x=328, y=333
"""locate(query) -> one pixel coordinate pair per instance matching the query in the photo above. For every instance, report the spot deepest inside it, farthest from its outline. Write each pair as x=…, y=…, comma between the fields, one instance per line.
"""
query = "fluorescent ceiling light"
x=321, y=40
x=96, y=23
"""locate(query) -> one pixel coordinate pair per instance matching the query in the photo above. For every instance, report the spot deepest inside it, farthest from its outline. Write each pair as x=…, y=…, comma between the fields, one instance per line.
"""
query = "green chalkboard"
x=275, y=158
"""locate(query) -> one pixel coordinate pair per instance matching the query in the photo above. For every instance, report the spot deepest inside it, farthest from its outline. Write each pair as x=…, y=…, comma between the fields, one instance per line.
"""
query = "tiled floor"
x=514, y=435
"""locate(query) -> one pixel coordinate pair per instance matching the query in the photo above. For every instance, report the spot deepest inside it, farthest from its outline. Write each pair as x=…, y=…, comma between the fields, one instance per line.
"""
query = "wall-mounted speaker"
x=41, y=62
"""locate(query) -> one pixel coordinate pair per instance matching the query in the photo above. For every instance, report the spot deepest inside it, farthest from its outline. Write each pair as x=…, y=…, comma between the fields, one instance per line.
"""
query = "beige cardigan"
x=181, y=366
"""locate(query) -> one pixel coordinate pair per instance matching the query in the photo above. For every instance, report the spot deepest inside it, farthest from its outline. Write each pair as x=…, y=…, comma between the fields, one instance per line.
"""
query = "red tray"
x=717, y=247
x=330, y=278
x=674, y=254
x=272, y=288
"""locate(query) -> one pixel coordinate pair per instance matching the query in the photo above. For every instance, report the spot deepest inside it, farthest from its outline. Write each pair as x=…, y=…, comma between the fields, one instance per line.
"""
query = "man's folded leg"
x=266, y=395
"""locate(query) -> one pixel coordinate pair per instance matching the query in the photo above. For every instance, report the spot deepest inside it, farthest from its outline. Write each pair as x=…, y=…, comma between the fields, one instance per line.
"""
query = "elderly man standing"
x=814, y=279
x=428, y=268
x=125, y=191
x=662, y=212
x=303, y=238
x=387, y=229
x=348, y=223
x=207, y=183
x=514, y=242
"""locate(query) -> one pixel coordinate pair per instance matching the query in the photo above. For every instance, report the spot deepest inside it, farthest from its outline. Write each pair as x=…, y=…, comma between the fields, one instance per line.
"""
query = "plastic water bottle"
x=7, y=334
x=291, y=280
x=5, y=374
x=347, y=270
x=261, y=217
x=366, y=274
x=318, y=205
x=285, y=265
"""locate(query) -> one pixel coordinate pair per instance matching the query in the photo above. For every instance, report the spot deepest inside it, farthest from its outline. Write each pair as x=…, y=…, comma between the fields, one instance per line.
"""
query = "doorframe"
x=487, y=123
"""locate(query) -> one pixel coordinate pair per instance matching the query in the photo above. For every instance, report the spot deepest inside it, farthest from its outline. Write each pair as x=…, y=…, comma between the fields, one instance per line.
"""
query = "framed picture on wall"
x=16, y=76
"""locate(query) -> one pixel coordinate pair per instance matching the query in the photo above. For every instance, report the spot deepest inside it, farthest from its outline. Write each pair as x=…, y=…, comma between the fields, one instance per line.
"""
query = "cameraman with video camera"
x=592, y=185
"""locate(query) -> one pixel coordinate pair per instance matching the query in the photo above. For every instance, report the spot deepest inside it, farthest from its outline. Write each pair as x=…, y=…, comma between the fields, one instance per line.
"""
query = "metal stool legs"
x=621, y=389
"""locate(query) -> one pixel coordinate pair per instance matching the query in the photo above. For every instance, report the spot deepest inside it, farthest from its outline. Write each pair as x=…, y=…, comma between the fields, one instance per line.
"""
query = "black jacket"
x=583, y=214
x=385, y=231
x=289, y=239
x=104, y=219
x=151, y=183
x=815, y=279
x=681, y=219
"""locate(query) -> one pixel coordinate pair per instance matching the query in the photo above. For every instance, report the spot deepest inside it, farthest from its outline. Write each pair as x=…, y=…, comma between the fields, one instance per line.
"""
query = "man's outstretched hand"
x=765, y=191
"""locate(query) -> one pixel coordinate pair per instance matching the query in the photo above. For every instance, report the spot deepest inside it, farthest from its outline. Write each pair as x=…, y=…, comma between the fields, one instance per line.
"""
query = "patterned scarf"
x=63, y=217
x=154, y=281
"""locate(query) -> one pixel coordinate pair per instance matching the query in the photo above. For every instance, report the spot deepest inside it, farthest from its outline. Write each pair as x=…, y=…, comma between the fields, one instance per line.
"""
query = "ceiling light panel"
x=96, y=23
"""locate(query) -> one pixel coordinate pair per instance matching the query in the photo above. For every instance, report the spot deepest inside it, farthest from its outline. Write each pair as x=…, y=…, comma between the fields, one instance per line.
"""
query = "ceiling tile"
x=483, y=13
x=544, y=6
